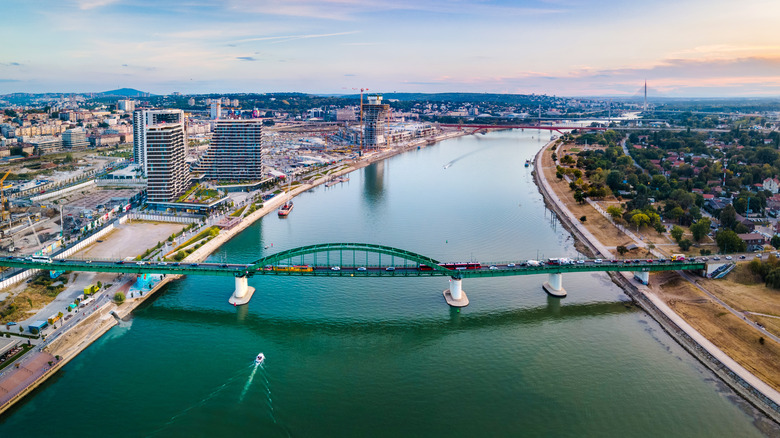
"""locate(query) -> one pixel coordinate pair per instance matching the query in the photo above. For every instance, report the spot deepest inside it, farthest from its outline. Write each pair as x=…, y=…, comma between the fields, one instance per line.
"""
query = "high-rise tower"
x=236, y=151
x=143, y=119
x=166, y=171
x=374, y=114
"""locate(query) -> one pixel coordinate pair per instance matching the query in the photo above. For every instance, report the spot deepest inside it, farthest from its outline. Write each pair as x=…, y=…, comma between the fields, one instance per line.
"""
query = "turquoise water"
x=387, y=356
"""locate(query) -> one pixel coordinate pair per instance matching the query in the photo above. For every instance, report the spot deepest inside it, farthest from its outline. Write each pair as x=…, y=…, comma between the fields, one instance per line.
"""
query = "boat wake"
x=249, y=381
x=208, y=397
x=448, y=165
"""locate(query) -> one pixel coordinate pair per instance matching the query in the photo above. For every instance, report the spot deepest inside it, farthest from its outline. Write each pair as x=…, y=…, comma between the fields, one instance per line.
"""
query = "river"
x=387, y=356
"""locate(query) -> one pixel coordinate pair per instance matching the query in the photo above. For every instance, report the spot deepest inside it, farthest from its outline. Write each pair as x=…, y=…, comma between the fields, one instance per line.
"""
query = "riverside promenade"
x=742, y=381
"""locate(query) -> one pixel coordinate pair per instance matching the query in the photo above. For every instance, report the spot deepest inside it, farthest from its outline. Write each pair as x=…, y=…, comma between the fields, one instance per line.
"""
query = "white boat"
x=259, y=359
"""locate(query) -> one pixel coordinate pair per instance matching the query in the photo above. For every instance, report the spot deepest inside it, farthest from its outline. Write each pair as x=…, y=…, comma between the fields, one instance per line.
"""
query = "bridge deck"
x=233, y=269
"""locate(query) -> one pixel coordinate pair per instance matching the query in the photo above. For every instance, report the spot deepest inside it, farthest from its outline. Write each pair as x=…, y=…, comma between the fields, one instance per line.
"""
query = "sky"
x=683, y=48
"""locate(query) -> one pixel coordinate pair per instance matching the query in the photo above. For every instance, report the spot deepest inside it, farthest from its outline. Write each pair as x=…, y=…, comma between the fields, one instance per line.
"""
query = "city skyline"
x=560, y=47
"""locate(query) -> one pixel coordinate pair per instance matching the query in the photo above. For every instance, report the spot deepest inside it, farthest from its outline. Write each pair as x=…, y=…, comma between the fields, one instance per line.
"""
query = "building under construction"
x=375, y=114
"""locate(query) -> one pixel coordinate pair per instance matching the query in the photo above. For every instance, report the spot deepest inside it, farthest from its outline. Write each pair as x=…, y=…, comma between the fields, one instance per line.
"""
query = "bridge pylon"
x=554, y=285
x=243, y=292
x=455, y=296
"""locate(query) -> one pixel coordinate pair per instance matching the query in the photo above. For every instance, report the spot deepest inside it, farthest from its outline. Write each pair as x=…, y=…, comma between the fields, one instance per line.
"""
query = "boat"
x=288, y=205
x=527, y=163
x=285, y=209
x=259, y=359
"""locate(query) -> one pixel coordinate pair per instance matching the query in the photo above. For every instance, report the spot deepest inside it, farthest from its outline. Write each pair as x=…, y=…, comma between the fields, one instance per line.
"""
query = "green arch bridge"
x=362, y=260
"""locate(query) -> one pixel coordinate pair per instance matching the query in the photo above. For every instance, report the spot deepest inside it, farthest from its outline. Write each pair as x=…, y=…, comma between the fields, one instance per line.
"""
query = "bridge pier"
x=554, y=285
x=243, y=292
x=642, y=276
x=455, y=296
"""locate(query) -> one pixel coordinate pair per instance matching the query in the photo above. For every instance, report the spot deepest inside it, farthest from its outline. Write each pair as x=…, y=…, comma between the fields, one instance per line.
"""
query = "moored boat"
x=285, y=209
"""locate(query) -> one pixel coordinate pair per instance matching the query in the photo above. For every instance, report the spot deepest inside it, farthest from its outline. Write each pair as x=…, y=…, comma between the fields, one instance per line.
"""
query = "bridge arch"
x=294, y=255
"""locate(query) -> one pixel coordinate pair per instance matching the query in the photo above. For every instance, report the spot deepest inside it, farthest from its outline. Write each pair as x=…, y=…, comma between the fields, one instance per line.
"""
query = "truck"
x=533, y=263
x=678, y=257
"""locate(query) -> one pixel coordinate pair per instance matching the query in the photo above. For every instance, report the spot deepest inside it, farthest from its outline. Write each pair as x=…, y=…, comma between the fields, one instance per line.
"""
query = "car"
x=224, y=265
x=162, y=263
x=193, y=264
x=598, y=261
x=87, y=261
x=390, y=268
x=716, y=258
x=10, y=257
x=758, y=256
x=493, y=267
x=175, y=264
x=335, y=268
x=741, y=257
x=704, y=259
x=510, y=265
x=580, y=262
x=61, y=260
x=614, y=261
x=119, y=262
x=140, y=263
x=649, y=260
x=627, y=261
x=361, y=269
x=729, y=257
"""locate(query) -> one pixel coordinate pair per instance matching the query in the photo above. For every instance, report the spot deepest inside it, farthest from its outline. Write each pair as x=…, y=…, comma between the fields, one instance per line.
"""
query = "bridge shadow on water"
x=281, y=328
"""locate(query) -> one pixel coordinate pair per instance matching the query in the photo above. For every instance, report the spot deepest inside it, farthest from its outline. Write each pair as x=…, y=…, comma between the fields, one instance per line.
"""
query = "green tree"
x=622, y=250
x=728, y=242
x=639, y=220
x=700, y=229
x=685, y=244
x=614, y=211
x=728, y=217
x=583, y=219
x=119, y=297
x=775, y=241
x=677, y=233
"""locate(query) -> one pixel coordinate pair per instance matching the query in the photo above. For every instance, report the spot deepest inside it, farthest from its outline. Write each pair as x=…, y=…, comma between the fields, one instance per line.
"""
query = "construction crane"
x=4, y=213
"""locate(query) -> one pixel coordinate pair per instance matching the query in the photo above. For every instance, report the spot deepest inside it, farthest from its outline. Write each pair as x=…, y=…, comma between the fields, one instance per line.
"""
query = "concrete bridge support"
x=455, y=296
x=243, y=292
x=554, y=285
x=643, y=277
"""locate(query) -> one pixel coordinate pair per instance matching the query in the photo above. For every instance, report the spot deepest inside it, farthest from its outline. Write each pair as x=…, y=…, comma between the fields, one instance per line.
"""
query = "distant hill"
x=125, y=92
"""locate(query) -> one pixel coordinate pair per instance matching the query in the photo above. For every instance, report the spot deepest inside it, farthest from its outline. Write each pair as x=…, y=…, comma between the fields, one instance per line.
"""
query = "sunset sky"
x=563, y=47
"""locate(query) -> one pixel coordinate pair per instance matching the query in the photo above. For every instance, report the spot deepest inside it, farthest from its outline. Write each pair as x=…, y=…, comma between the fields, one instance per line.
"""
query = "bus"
x=40, y=259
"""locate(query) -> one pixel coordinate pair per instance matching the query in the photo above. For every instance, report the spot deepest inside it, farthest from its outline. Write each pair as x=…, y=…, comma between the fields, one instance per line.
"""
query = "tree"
x=700, y=229
x=614, y=211
x=579, y=197
x=728, y=217
x=640, y=219
x=684, y=244
x=677, y=233
x=583, y=219
x=119, y=297
x=621, y=249
x=728, y=241
x=775, y=241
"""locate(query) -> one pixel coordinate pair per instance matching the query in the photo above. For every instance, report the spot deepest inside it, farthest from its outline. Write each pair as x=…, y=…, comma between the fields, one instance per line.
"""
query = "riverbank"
x=757, y=392
x=68, y=345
